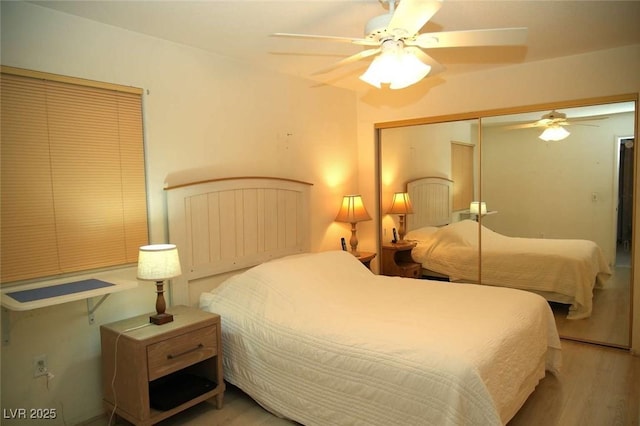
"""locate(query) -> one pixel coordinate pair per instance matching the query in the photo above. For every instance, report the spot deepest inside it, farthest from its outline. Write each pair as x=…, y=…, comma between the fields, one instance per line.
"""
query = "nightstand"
x=161, y=369
x=397, y=260
x=366, y=258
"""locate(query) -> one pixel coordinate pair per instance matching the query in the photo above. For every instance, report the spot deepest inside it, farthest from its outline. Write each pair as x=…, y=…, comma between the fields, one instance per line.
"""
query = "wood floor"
x=598, y=386
x=610, y=321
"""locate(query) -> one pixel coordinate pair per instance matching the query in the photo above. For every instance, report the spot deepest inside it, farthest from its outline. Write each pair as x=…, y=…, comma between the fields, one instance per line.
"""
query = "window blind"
x=73, y=182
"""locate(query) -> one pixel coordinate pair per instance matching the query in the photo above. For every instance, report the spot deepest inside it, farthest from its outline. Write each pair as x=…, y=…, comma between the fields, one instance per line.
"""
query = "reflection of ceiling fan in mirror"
x=395, y=39
x=554, y=124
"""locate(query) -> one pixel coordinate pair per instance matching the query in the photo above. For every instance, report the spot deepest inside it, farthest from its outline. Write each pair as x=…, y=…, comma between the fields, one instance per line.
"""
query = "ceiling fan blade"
x=545, y=122
x=411, y=15
x=592, y=118
x=492, y=37
x=359, y=41
x=522, y=126
x=348, y=60
x=436, y=67
x=570, y=123
x=558, y=119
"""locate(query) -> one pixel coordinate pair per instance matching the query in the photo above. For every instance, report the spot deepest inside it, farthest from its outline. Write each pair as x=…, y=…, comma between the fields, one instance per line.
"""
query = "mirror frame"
x=479, y=115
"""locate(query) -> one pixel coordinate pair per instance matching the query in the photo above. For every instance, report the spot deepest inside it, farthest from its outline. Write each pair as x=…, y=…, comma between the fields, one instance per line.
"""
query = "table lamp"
x=401, y=205
x=352, y=211
x=159, y=262
x=478, y=208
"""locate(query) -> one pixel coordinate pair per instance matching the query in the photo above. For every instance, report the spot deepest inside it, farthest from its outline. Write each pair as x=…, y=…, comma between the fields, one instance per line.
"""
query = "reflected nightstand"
x=397, y=260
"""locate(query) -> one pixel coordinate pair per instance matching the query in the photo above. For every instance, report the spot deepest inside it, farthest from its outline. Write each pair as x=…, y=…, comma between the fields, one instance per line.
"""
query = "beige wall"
x=202, y=113
x=604, y=73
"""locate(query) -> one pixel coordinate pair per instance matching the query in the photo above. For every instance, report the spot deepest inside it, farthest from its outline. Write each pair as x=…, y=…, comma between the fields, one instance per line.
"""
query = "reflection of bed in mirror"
x=562, y=270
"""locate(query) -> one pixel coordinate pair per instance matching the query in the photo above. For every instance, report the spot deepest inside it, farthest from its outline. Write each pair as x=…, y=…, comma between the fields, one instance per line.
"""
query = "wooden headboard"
x=432, y=199
x=229, y=224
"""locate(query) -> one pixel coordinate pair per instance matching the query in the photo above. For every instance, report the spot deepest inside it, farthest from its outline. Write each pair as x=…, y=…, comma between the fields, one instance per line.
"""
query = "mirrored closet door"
x=578, y=187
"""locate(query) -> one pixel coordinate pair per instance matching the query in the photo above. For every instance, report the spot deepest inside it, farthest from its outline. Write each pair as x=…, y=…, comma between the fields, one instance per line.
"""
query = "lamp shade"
x=158, y=262
x=554, y=133
x=352, y=210
x=401, y=204
x=478, y=207
x=397, y=66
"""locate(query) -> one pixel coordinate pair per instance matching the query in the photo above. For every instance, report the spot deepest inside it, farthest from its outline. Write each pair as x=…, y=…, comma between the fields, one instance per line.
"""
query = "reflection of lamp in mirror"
x=554, y=133
x=159, y=262
x=352, y=211
x=401, y=205
x=478, y=208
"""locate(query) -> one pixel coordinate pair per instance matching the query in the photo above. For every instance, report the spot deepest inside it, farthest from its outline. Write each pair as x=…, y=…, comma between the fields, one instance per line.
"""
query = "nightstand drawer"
x=181, y=351
x=410, y=270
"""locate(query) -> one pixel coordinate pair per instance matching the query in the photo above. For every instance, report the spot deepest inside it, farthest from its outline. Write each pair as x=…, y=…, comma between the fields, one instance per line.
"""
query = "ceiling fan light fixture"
x=395, y=66
x=380, y=71
x=554, y=133
x=410, y=71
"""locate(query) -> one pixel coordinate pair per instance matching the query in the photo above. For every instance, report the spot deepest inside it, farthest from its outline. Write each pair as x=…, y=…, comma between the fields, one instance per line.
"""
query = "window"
x=462, y=175
x=72, y=177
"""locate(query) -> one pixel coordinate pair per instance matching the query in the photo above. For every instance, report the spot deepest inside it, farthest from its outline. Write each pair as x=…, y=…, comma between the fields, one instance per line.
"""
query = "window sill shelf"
x=120, y=280
x=115, y=280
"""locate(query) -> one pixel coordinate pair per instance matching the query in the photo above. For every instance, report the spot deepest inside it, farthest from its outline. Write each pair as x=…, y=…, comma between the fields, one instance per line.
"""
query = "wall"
x=204, y=116
x=603, y=73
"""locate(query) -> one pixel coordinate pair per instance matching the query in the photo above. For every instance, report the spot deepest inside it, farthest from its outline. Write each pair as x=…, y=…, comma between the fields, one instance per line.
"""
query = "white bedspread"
x=563, y=270
x=319, y=339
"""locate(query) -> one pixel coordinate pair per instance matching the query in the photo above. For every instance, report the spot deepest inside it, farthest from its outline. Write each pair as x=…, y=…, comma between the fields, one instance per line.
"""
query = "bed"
x=561, y=270
x=319, y=339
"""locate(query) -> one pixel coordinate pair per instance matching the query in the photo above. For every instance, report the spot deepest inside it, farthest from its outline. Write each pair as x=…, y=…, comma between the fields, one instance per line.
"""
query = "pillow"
x=463, y=232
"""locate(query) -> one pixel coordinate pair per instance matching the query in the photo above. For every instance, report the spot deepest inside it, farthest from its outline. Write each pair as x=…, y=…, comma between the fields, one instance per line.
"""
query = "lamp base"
x=159, y=319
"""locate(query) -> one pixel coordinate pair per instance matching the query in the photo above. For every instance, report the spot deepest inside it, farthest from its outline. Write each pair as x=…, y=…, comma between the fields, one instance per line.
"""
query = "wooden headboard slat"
x=432, y=199
x=230, y=224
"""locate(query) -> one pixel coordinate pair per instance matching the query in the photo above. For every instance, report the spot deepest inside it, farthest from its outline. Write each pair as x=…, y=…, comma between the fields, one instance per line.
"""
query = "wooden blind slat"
x=27, y=237
x=73, y=182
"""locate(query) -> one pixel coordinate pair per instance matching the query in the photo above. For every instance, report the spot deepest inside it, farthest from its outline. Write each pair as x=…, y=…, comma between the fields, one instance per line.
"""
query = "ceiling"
x=241, y=29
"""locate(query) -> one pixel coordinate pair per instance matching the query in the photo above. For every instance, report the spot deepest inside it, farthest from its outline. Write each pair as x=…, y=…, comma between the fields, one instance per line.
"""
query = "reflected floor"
x=609, y=321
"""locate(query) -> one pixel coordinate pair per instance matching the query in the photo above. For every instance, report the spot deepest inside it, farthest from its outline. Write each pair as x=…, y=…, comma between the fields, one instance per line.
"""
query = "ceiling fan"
x=554, y=124
x=394, y=37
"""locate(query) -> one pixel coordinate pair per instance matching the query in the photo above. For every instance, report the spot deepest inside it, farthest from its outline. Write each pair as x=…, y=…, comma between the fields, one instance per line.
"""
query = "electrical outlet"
x=40, y=367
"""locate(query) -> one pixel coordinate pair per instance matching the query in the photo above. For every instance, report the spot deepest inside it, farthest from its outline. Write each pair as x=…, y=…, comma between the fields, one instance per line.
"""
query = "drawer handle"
x=200, y=346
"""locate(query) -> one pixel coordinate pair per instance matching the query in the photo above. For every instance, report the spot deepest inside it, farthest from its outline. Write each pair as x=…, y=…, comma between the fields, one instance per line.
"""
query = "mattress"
x=562, y=270
x=319, y=339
